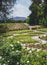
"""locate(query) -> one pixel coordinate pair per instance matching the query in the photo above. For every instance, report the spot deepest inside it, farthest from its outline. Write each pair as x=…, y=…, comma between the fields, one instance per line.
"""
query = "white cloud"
x=24, y=2
x=21, y=8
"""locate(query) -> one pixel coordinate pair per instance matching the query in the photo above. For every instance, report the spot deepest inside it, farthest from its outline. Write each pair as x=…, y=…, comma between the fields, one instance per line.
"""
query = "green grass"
x=42, y=29
x=25, y=39
x=16, y=32
x=23, y=36
x=43, y=37
x=21, y=33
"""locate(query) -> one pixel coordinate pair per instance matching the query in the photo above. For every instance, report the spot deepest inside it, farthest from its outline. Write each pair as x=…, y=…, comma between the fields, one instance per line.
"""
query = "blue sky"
x=21, y=8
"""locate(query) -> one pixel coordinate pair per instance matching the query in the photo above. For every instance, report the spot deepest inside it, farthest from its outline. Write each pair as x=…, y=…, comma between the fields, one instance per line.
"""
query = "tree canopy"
x=5, y=6
x=39, y=12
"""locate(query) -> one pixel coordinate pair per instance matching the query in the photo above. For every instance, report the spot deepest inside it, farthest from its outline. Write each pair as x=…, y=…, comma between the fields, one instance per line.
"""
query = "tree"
x=39, y=12
x=27, y=20
x=45, y=11
x=5, y=6
x=35, y=7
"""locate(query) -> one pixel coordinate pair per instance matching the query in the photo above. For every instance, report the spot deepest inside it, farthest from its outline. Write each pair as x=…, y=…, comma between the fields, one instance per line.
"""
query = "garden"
x=23, y=32
x=23, y=47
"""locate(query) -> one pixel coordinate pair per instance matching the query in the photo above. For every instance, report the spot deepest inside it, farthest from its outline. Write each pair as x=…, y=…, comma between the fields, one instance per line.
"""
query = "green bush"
x=10, y=53
x=43, y=21
x=3, y=28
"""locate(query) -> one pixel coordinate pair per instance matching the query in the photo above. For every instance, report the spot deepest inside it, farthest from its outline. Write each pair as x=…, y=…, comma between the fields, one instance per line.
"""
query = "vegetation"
x=21, y=43
x=38, y=15
x=12, y=53
x=22, y=49
x=42, y=29
x=44, y=37
x=12, y=21
x=5, y=6
x=12, y=26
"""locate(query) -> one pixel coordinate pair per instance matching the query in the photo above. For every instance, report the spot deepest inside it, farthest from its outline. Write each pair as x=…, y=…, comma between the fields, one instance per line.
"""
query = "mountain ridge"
x=19, y=18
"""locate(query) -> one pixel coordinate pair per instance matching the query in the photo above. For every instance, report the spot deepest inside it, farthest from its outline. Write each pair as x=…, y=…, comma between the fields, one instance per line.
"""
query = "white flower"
x=27, y=61
x=14, y=34
x=43, y=41
x=23, y=44
x=10, y=37
x=38, y=50
x=17, y=51
x=17, y=63
x=44, y=35
x=33, y=49
x=28, y=48
x=8, y=61
x=18, y=42
x=4, y=64
x=30, y=51
x=13, y=48
x=0, y=57
x=11, y=45
x=37, y=55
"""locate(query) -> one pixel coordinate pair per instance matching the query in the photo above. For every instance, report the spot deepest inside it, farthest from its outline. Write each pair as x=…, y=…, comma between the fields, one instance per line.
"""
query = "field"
x=33, y=42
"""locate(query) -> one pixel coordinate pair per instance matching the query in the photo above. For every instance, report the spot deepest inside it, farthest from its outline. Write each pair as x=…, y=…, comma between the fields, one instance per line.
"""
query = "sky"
x=21, y=8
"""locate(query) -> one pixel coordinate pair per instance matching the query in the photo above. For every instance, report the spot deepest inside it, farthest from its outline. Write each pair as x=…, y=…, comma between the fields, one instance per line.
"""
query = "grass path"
x=30, y=38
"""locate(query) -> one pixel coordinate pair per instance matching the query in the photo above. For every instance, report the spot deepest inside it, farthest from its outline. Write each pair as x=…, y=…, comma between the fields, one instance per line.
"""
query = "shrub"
x=3, y=28
x=10, y=53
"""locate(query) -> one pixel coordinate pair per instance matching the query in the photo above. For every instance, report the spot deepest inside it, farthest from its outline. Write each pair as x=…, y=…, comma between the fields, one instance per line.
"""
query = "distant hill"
x=19, y=18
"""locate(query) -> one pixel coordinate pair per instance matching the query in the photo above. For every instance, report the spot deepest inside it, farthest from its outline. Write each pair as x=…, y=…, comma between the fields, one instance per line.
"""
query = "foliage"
x=27, y=20
x=5, y=6
x=34, y=58
x=3, y=28
x=10, y=52
x=44, y=37
x=13, y=26
x=39, y=14
x=43, y=30
x=35, y=12
x=15, y=21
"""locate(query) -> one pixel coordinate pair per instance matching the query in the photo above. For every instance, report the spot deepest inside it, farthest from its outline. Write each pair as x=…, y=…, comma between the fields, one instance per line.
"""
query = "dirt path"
x=40, y=40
